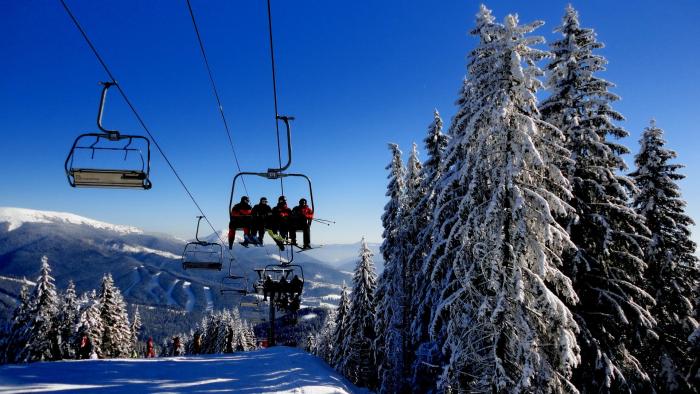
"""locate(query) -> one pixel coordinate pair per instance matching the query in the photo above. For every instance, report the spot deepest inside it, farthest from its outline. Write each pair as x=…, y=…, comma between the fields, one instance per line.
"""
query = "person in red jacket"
x=302, y=216
x=240, y=218
x=281, y=214
x=149, y=346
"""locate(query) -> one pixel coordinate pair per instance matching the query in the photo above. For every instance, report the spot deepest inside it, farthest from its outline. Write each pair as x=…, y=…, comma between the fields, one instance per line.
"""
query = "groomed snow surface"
x=275, y=370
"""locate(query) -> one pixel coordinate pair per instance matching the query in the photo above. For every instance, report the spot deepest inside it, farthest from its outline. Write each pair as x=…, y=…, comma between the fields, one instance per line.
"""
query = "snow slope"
x=275, y=370
x=16, y=217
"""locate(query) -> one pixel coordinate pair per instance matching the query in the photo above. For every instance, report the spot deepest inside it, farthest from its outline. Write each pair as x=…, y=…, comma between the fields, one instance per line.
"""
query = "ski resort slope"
x=274, y=370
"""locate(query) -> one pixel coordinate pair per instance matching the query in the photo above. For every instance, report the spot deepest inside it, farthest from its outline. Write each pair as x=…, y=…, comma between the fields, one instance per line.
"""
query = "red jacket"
x=304, y=211
x=241, y=209
x=281, y=210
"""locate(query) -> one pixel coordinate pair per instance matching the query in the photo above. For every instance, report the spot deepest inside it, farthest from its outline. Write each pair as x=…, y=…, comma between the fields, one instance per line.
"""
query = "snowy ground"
x=275, y=370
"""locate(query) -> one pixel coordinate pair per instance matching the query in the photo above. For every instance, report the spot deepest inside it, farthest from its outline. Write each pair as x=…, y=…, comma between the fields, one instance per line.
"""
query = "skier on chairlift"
x=240, y=218
x=302, y=215
x=261, y=213
x=281, y=214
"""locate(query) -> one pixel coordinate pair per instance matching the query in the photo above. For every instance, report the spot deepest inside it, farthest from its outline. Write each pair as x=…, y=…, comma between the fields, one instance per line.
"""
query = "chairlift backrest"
x=202, y=254
x=130, y=178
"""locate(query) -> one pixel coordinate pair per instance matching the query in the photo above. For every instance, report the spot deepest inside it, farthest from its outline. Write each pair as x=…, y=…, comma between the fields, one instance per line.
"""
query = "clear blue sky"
x=355, y=74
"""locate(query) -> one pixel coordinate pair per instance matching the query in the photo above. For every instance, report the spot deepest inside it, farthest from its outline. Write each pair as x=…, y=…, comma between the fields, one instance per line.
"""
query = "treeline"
x=47, y=325
x=519, y=257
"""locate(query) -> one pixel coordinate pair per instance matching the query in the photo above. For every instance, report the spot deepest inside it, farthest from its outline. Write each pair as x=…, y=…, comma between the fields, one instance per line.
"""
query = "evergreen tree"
x=360, y=321
x=324, y=340
x=250, y=337
x=117, y=336
x=91, y=325
x=44, y=307
x=506, y=326
x=339, y=332
x=390, y=290
x=135, y=327
x=672, y=267
x=66, y=321
x=14, y=340
x=610, y=237
x=422, y=200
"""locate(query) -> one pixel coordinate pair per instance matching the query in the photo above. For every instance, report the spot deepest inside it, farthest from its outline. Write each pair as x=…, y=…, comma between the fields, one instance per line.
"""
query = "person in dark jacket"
x=281, y=213
x=261, y=213
x=85, y=347
x=295, y=286
x=176, y=346
x=240, y=218
x=302, y=215
x=55, y=339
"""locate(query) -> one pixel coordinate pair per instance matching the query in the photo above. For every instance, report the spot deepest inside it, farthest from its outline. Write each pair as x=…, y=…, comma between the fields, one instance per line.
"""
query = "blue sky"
x=356, y=75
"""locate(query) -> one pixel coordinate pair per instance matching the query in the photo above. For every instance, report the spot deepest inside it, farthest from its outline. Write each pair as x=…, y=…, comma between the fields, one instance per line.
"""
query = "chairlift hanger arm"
x=286, y=120
x=113, y=135
x=270, y=175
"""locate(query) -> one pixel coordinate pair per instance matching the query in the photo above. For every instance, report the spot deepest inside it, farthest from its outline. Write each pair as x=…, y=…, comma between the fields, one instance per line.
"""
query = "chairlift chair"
x=201, y=254
x=133, y=178
x=245, y=221
x=234, y=285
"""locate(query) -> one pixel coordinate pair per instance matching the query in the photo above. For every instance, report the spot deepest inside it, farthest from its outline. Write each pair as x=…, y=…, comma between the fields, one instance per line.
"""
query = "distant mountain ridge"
x=147, y=264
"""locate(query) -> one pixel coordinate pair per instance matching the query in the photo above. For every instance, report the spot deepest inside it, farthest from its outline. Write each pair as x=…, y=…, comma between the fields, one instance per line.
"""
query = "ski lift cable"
x=145, y=128
x=274, y=91
x=216, y=93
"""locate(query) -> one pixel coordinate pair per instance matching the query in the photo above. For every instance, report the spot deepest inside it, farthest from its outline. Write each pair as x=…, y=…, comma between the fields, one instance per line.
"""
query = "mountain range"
x=147, y=266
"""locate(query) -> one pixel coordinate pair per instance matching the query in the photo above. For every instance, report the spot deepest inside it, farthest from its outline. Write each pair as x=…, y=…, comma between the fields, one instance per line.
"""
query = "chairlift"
x=201, y=254
x=233, y=284
x=132, y=178
x=245, y=221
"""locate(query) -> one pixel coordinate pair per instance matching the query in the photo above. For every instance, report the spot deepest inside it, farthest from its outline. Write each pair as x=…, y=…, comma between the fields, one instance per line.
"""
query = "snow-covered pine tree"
x=90, y=323
x=227, y=332
x=135, y=327
x=441, y=250
x=610, y=236
x=210, y=338
x=672, y=268
x=250, y=336
x=508, y=329
x=310, y=345
x=66, y=320
x=693, y=375
x=338, y=359
x=14, y=340
x=117, y=335
x=390, y=291
x=422, y=200
x=360, y=321
x=324, y=343
x=240, y=341
x=44, y=307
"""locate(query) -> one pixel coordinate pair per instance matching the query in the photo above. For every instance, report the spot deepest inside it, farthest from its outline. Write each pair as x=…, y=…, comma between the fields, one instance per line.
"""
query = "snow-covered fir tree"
x=337, y=360
x=324, y=340
x=117, y=336
x=507, y=328
x=360, y=366
x=44, y=307
x=90, y=324
x=422, y=203
x=135, y=327
x=672, y=272
x=13, y=339
x=610, y=236
x=391, y=296
x=66, y=320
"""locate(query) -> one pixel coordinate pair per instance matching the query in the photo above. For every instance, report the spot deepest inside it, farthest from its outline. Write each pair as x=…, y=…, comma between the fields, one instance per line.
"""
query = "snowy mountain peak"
x=16, y=217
